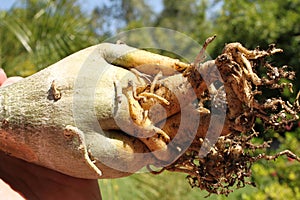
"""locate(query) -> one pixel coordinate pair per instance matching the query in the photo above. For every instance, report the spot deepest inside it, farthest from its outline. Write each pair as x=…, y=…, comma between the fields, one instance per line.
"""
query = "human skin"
x=22, y=180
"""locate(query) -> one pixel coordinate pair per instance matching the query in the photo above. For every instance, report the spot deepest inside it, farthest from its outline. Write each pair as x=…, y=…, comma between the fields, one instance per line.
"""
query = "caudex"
x=153, y=111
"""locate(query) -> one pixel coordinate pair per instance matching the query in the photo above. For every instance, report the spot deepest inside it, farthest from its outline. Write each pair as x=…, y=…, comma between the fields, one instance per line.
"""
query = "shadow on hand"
x=36, y=182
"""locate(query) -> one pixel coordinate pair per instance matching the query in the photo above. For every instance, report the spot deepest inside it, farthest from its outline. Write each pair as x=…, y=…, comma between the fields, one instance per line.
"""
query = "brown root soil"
x=227, y=162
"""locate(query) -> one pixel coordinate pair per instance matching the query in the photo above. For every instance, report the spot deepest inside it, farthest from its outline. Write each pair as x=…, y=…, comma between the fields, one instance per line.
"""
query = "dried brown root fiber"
x=227, y=161
x=231, y=82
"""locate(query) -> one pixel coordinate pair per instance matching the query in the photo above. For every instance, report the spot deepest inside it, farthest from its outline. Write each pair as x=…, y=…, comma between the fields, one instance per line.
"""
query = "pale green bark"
x=56, y=117
x=41, y=130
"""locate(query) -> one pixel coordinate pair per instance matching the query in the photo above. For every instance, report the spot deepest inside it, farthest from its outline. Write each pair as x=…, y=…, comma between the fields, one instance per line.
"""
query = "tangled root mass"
x=228, y=162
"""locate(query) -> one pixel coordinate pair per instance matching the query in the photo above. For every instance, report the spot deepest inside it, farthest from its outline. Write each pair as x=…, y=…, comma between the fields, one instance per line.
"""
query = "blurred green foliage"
x=37, y=33
x=165, y=186
x=279, y=179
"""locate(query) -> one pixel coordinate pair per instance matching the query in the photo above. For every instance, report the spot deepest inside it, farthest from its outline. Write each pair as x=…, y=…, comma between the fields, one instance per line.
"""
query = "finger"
x=10, y=80
x=3, y=76
x=6, y=192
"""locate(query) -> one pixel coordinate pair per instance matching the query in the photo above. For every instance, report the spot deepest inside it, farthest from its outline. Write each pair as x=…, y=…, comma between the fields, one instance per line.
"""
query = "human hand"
x=4, y=81
x=22, y=180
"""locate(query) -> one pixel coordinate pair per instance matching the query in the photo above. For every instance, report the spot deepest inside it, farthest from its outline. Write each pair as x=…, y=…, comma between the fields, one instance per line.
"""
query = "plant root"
x=229, y=160
x=232, y=82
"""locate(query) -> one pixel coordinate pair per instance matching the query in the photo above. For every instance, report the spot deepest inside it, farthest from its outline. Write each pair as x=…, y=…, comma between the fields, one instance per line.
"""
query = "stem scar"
x=56, y=94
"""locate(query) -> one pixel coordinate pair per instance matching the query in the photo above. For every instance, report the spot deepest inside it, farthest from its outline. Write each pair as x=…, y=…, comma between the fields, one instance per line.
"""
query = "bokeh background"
x=37, y=33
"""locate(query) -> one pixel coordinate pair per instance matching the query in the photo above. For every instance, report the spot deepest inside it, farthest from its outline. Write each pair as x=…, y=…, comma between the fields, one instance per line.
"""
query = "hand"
x=23, y=180
x=19, y=180
x=4, y=81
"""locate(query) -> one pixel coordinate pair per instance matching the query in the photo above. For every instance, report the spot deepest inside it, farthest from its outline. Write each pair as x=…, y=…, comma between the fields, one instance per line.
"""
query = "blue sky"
x=87, y=5
x=4, y=4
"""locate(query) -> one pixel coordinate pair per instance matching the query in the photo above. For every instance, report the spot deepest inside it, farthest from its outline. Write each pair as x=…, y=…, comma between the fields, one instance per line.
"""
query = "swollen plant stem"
x=48, y=118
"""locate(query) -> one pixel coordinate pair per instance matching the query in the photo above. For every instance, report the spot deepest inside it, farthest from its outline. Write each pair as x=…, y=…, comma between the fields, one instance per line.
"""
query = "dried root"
x=236, y=87
x=227, y=165
x=229, y=160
